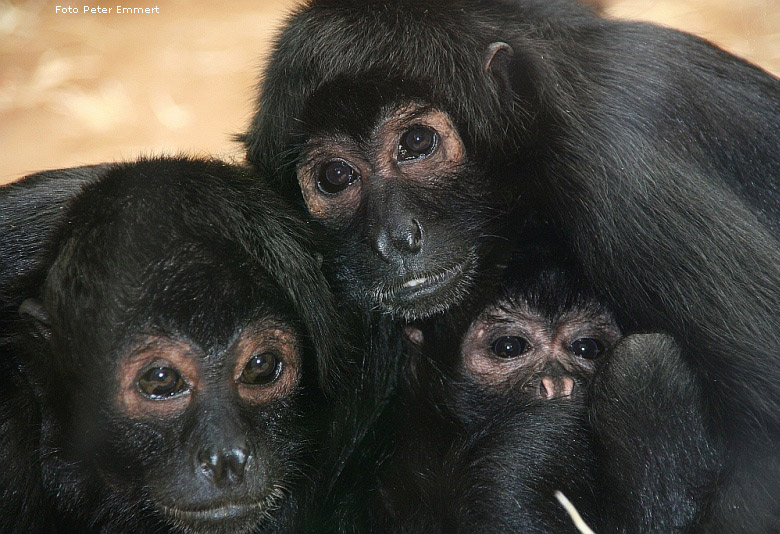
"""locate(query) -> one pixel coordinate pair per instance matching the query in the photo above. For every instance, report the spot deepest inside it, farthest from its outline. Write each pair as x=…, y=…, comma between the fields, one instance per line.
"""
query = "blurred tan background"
x=87, y=88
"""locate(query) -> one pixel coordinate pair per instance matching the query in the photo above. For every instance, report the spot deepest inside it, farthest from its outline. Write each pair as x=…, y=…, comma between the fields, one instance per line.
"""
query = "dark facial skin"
x=223, y=476
x=197, y=432
x=170, y=365
x=373, y=188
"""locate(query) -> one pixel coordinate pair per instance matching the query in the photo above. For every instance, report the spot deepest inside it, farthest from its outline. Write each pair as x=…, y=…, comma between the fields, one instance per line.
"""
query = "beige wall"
x=86, y=88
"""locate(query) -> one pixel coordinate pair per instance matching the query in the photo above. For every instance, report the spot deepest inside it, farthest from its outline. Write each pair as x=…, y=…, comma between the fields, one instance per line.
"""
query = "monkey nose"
x=402, y=239
x=556, y=387
x=223, y=466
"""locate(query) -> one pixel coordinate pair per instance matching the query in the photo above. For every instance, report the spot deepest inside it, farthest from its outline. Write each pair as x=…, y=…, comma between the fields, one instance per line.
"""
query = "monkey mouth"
x=229, y=513
x=431, y=281
x=416, y=289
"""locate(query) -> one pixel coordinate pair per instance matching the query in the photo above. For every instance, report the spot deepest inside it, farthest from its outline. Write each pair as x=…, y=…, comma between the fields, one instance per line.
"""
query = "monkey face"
x=514, y=346
x=381, y=191
x=203, y=428
x=229, y=409
x=173, y=358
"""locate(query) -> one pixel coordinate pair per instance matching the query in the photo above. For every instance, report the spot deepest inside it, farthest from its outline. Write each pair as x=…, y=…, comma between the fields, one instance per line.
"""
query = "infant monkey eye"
x=336, y=176
x=417, y=142
x=587, y=348
x=262, y=368
x=160, y=383
x=509, y=346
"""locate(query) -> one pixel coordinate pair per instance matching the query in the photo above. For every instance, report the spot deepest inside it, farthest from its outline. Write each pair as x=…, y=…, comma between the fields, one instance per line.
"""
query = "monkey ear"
x=496, y=63
x=37, y=313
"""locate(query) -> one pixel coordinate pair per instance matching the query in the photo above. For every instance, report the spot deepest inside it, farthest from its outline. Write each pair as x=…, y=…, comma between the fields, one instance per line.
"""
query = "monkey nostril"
x=415, y=236
x=236, y=462
x=211, y=465
x=381, y=245
x=408, y=238
x=546, y=388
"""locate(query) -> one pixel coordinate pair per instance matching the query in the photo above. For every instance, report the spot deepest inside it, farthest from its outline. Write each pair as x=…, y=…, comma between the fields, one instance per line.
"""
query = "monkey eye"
x=262, y=368
x=336, y=176
x=509, y=346
x=161, y=383
x=417, y=143
x=587, y=348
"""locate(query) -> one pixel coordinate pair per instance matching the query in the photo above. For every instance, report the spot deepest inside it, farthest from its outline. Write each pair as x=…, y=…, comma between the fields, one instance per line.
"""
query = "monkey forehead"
x=506, y=311
x=355, y=105
x=198, y=245
x=203, y=292
x=413, y=49
x=581, y=317
x=196, y=293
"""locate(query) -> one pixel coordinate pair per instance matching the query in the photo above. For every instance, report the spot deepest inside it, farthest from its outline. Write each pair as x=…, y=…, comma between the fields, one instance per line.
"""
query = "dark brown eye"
x=417, y=143
x=587, y=348
x=509, y=346
x=262, y=368
x=336, y=176
x=161, y=383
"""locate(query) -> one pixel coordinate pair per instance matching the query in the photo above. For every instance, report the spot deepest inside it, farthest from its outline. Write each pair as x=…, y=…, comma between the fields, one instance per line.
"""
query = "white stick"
x=575, y=515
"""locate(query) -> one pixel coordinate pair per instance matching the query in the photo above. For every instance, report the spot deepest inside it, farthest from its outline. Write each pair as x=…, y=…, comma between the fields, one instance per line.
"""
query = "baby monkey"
x=494, y=411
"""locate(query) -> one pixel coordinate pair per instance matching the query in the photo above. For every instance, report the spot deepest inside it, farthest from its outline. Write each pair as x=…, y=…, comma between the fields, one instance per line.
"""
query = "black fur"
x=477, y=462
x=650, y=152
x=658, y=463
x=33, y=209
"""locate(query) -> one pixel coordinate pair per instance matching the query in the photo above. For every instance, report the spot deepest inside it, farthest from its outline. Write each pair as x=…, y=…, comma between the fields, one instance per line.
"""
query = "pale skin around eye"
x=384, y=156
x=180, y=370
x=550, y=344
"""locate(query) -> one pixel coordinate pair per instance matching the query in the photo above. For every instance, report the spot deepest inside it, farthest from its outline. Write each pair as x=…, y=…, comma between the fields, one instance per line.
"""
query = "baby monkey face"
x=516, y=346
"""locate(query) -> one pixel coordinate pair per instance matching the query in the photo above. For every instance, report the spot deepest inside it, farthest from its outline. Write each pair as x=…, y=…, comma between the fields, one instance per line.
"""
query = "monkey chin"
x=424, y=295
